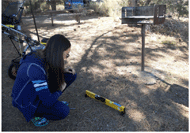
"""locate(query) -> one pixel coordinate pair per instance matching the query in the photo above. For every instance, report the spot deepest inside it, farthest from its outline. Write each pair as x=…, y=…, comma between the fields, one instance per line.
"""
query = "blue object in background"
x=70, y=4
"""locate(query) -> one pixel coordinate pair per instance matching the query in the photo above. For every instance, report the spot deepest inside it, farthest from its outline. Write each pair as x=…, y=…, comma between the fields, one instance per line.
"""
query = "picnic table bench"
x=75, y=12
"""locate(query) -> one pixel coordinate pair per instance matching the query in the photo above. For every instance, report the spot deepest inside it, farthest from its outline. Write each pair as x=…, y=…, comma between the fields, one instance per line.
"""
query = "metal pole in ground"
x=34, y=21
x=143, y=46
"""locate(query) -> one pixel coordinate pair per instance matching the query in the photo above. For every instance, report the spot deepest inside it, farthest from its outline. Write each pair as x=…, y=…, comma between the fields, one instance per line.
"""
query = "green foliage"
x=170, y=44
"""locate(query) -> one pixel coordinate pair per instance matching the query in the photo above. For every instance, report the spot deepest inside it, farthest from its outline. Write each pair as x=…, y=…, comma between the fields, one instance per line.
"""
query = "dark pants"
x=59, y=110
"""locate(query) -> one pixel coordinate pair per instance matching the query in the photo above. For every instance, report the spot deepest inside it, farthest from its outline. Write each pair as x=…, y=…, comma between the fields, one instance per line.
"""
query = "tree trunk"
x=53, y=5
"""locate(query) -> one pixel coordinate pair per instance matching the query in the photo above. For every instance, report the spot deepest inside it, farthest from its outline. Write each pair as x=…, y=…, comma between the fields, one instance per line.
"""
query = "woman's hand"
x=70, y=70
x=63, y=87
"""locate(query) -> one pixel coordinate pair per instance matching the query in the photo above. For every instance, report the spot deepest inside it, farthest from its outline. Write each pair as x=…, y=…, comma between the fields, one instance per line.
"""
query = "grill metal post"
x=143, y=15
x=143, y=46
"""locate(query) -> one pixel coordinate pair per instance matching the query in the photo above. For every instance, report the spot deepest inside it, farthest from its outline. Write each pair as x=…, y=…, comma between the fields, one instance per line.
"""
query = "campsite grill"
x=143, y=15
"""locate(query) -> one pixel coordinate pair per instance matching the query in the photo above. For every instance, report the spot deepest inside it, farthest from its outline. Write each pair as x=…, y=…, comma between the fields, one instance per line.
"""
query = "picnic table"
x=74, y=12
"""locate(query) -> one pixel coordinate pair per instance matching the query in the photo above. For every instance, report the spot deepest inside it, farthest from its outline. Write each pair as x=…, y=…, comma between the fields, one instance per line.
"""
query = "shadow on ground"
x=159, y=107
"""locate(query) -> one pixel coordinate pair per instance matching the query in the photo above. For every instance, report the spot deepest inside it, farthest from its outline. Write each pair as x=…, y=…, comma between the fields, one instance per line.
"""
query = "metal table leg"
x=143, y=46
x=51, y=18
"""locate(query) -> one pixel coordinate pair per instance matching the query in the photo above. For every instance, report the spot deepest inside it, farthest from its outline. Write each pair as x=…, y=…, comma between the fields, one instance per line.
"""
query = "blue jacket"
x=31, y=87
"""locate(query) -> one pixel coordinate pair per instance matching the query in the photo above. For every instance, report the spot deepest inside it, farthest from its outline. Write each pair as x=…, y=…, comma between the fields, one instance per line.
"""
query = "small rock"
x=75, y=30
x=150, y=83
x=109, y=80
x=134, y=76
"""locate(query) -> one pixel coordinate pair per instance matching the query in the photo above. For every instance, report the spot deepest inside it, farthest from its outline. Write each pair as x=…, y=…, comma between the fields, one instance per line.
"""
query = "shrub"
x=175, y=7
x=44, y=6
x=60, y=7
x=172, y=27
x=113, y=7
x=109, y=7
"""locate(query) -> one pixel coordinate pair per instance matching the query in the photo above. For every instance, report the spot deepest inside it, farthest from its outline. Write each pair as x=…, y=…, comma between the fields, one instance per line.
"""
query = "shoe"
x=65, y=103
x=40, y=121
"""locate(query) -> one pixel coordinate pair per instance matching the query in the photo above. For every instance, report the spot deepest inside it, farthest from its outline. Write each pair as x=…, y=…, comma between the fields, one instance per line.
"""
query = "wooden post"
x=143, y=46
x=51, y=18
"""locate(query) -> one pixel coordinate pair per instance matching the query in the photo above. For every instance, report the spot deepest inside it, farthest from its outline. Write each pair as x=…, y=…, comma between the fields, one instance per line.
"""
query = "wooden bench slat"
x=136, y=17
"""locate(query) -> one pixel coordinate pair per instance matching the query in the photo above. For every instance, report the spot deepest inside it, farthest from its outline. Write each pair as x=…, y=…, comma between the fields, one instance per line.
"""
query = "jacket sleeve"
x=39, y=79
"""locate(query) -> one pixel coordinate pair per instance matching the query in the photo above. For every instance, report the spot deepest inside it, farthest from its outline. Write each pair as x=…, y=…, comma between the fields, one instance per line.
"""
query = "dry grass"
x=173, y=27
x=109, y=8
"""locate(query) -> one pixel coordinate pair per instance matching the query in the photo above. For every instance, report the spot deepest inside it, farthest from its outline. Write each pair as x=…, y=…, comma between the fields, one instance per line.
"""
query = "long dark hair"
x=53, y=55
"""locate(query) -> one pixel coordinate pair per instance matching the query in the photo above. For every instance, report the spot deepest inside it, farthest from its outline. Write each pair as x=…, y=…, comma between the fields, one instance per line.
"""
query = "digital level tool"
x=114, y=105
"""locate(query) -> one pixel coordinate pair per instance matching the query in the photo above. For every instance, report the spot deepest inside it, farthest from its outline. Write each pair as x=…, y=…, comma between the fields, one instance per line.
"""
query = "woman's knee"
x=70, y=78
x=74, y=76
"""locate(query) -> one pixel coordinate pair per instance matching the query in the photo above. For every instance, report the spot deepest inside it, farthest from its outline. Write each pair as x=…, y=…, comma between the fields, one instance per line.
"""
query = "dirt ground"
x=107, y=58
